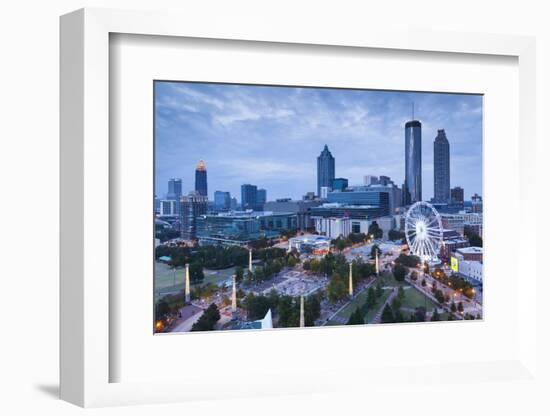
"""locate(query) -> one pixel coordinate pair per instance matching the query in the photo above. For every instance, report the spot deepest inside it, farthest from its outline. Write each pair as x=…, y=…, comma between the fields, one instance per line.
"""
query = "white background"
x=29, y=175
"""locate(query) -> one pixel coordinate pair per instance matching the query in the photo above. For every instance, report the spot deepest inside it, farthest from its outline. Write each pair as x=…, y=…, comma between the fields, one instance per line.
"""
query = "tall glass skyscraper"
x=442, y=169
x=249, y=195
x=325, y=170
x=201, y=186
x=174, y=189
x=413, y=162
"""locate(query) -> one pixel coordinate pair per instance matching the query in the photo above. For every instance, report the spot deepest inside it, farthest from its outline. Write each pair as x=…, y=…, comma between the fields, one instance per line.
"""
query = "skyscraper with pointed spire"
x=325, y=170
x=413, y=162
x=442, y=168
x=201, y=184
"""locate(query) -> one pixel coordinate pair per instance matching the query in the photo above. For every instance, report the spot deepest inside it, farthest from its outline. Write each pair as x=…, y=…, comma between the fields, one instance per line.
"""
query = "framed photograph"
x=275, y=205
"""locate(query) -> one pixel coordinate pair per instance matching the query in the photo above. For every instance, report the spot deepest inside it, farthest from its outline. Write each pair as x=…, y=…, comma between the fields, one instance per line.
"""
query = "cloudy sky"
x=271, y=136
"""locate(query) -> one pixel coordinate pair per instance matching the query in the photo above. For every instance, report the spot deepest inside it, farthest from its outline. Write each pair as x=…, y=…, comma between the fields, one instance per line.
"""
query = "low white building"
x=471, y=270
x=333, y=227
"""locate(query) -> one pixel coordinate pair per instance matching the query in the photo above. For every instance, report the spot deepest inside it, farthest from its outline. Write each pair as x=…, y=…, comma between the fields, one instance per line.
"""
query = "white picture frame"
x=86, y=353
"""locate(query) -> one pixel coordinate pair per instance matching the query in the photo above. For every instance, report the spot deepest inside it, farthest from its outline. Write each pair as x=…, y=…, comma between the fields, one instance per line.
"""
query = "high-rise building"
x=370, y=180
x=413, y=162
x=191, y=206
x=168, y=208
x=249, y=195
x=325, y=170
x=339, y=184
x=174, y=189
x=222, y=200
x=477, y=203
x=261, y=198
x=457, y=195
x=201, y=183
x=442, y=168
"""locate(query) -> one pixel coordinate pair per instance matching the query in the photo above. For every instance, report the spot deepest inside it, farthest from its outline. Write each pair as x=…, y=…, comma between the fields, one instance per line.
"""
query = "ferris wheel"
x=424, y=231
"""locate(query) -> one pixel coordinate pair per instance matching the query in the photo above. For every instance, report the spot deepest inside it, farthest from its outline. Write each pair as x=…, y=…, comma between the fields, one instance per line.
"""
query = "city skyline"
x=271, y=136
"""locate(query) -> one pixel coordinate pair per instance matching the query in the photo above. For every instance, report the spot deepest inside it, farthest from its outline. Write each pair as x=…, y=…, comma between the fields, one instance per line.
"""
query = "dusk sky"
x=271, y=136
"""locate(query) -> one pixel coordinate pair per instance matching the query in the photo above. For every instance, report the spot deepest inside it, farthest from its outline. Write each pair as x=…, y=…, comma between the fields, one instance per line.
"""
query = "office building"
x=457, y=195
x=242, y=227
x=249, y=195
x=442, y=168
x=370, y=180
x=309, y=196
x=261, y=198
x=222, y=200
x=453, y=222
x=477, y=204
x=338, y=210
x=470, y=253
x=174, y=189
x=472, y=271
x=168, y=208
x=339, y=184
x=451, y=242
x=201, y=182
x=413, y=162
x=300, y=208
x=374, y=195
x=191, y=206
x=325, y=170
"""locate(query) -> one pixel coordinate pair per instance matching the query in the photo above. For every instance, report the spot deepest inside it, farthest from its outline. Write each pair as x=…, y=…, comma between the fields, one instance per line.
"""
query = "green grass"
x=170, y=280
x=371, y=313
x=358, y=301
x=414, y=299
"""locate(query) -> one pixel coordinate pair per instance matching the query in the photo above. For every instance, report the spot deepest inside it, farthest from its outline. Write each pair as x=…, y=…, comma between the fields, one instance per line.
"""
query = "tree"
x=371, y=298
x=375, y=249
x=420, y=314
x=356, y=318
x=460, y=307
x=379, y=290
x=423, y=283
x=375, y=230
x=336, y=289
x=196, y=274
x=396, y=235
x=439, y=296
x=408, y=261
x=208, y=319
x=387, y=315
x=239, y=274
x=399, y=272
x=453, y=306
x=436, y=316
x=401, y=293
x=414, y=275
x=163, y=309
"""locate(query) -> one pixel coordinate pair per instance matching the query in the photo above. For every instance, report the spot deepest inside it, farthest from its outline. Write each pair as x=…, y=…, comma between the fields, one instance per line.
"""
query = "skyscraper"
x=174, y=189
x=191, y=207
x=457, y=195
x=201, y=186
x=325, y=170
x=442, y=169
x=222, y=200
x=413, y=162
x=249, y=195
x=261, y=197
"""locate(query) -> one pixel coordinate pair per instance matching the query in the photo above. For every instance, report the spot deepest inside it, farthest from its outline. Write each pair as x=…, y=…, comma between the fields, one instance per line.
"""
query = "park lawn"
x=164, y=276
x=217, y=276
x=358, y=301
x=414, y=299
x=371, y=313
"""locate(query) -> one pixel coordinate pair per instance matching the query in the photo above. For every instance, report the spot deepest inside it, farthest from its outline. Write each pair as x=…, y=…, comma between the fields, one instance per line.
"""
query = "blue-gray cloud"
x=271, y=136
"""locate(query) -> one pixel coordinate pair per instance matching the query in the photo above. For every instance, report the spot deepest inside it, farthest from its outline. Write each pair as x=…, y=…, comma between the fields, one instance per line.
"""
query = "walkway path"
x=378, y=317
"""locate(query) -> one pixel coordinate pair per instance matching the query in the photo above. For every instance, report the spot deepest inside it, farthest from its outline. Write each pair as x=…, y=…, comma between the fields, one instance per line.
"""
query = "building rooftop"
x=470, y=250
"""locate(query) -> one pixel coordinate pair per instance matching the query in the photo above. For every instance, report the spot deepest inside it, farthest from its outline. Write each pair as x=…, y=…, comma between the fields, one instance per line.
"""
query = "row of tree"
x=286, y=308
x=208, y=319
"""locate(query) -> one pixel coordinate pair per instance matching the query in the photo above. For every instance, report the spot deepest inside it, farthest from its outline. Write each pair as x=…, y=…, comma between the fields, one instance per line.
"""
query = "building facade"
x=222, y=200
x=261, y=198
x=457, y=195
x=174, y=189
x=300, y=208
x=325, y=170
x=249, y=195
x=333, y=227
x=201, y=181
x=442, y=168
x=339, y=184
x=413, y=162
x=168, y=208
x=191, y=206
